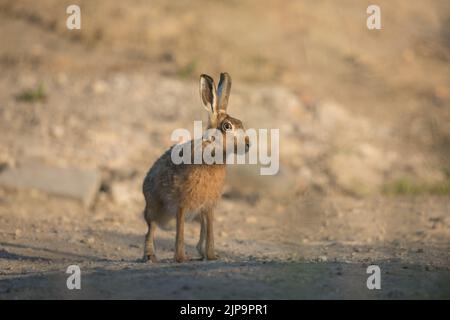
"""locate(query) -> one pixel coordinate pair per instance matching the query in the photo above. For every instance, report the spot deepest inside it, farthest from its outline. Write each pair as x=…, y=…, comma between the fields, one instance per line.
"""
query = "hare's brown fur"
x=192, y=187
x=174, y=191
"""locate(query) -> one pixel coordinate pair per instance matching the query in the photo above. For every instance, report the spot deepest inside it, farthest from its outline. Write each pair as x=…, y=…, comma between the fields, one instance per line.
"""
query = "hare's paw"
x=150, y=258
x=212, y=256
x=181, y=257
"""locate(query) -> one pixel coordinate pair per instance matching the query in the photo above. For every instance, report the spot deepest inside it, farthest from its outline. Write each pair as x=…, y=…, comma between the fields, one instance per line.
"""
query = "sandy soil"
x=261, y=255
x=364, y=170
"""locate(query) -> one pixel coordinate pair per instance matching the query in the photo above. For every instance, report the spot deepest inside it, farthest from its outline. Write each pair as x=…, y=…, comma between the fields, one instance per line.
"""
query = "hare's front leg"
x=210, y=255
x=201, y=242
x=180, y=254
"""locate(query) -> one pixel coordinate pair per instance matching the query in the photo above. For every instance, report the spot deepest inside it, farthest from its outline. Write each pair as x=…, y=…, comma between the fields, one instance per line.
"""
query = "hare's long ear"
x=208, y=93
x=223, y=91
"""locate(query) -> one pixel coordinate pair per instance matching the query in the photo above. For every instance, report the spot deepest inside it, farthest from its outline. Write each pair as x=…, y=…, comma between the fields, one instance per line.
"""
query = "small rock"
x=280, y=208
x=18, y=232
x=89, y=240
x=251, y=219
x=57, y=131
x=62, y=79
x=99, y=87
x=223, y=234
x=6, y=159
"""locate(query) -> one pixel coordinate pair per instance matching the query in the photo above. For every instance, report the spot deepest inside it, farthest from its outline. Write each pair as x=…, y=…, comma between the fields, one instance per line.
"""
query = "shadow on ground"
x=233, y=280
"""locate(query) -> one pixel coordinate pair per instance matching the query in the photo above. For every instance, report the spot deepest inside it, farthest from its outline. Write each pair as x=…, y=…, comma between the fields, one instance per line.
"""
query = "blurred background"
x=364, y=119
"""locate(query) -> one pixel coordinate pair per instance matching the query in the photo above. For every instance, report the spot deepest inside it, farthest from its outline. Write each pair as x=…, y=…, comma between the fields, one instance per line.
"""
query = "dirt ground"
x=261, y=254
x=364, y=147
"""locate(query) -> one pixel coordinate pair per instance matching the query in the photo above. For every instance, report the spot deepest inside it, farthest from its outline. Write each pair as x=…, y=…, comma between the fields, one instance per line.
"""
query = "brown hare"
x=179, y=191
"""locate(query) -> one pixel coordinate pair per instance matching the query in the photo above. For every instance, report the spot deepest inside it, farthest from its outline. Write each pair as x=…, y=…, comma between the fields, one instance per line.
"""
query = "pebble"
x=57, y=131
x=223, y=234
x=251, y=219
x=89, y=240
x=99, y=87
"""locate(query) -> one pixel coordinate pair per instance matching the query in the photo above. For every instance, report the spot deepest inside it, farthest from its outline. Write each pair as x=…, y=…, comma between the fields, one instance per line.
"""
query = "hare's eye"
x=226, y=126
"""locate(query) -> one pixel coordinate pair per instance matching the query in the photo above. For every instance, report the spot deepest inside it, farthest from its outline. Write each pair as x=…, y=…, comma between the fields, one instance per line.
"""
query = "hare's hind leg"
x=149, y=246
x=201, y=242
